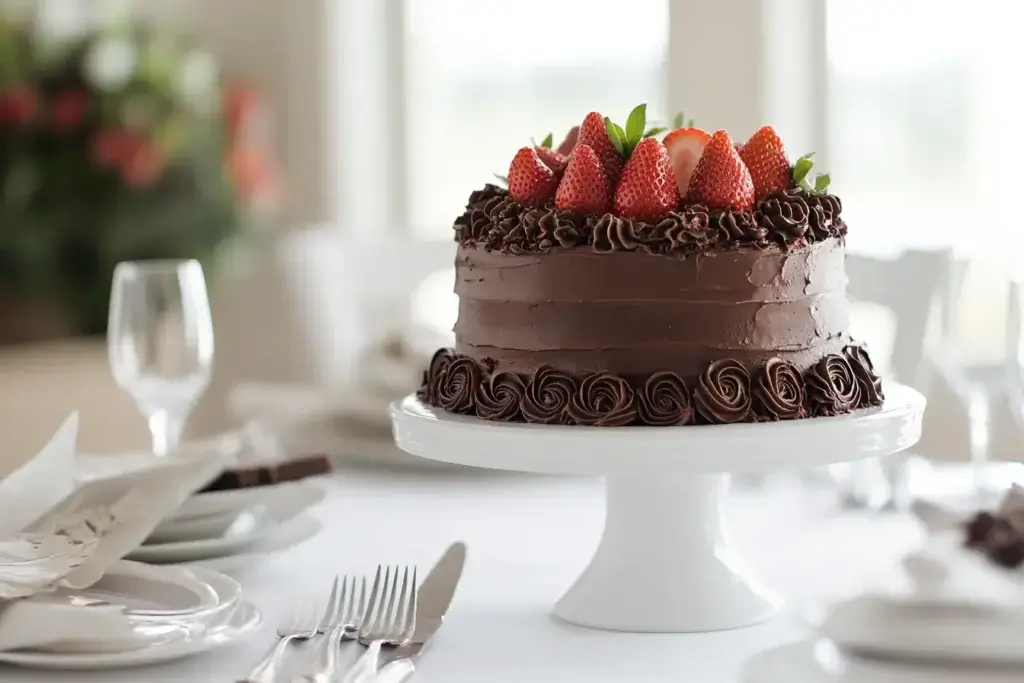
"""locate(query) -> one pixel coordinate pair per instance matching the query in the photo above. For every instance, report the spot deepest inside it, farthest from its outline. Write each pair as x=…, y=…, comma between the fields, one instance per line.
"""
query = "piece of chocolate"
x=268, y=475
x=979, y=528
x=1009, y=552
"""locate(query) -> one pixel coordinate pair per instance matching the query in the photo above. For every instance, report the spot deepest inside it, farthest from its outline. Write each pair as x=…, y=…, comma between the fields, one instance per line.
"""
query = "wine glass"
x=160, y=342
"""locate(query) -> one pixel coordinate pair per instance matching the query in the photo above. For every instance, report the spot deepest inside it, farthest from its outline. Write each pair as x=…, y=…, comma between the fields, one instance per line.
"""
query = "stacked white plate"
x=173, y=613
x=232, y=530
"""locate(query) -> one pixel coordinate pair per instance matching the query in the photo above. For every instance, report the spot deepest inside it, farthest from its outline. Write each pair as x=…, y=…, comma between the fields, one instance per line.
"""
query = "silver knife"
x=435, y=596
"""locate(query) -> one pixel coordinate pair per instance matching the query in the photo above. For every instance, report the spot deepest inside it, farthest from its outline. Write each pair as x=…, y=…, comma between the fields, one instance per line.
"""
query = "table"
x=528, y=538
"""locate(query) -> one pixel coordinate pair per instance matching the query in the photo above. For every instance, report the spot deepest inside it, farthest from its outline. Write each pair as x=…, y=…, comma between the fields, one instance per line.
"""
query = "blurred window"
x=922, y=121
x=483, y=76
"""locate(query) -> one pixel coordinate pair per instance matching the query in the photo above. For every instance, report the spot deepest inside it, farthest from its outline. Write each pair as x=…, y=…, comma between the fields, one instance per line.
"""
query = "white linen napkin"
x=949, y=602
x=83, y=515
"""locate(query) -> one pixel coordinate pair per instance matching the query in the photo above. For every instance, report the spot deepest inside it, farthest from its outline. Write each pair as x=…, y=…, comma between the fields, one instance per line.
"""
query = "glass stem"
x=166, y=429
x=979, y=416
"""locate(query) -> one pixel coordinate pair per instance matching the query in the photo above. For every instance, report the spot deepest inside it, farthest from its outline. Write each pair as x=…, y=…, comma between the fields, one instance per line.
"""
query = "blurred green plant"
x=117, y=144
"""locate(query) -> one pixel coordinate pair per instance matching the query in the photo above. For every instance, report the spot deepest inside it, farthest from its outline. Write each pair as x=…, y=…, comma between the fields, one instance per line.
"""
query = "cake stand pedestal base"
x=665, y=562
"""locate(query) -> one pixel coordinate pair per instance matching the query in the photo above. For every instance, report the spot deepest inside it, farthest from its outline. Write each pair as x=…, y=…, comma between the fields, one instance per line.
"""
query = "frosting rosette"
x=457, y=385
x=864, y=370
x=665, y=401
x=722, y=394
x=548, y=396
x=603, y=400
x=832, y=388
x=779, y=391
x=499, y=396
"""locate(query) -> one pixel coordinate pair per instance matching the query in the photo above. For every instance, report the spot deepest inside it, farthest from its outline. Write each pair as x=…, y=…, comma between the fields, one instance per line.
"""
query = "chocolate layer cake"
x=735, y=313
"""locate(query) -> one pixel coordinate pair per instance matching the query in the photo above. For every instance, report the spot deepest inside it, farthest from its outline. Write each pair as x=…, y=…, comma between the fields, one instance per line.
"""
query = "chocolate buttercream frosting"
x=458, y=384
x=779, y=391
x=497, y=222
x=722, y=394
x=603, y=400
x=547, y=397
x=869, y=383
x=499, y=397
x=832, y=387
x=665, y=401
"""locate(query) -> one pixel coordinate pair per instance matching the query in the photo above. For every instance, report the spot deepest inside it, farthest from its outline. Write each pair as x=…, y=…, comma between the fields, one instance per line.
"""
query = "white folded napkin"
x=66, y=519
x=949, y=601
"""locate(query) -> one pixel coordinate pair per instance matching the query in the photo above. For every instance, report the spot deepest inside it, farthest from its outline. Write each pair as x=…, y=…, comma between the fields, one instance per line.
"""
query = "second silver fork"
x=342, y=619
x=390, y=618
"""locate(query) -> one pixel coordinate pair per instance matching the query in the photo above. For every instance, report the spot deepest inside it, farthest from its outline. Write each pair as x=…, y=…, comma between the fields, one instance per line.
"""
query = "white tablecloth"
x=528, y=539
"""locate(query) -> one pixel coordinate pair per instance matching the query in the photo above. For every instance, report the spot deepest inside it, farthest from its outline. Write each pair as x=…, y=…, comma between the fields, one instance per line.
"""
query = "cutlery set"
x=394, y=620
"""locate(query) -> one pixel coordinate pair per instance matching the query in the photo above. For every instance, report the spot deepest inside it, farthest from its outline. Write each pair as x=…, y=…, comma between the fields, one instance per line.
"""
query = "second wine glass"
x=160, y=342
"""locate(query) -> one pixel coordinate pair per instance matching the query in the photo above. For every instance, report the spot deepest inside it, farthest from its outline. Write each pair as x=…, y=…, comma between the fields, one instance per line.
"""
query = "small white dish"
x=192, y=528
x=236, y=501
x=288, y=536
x=231, y=627
x=821, y=662
x=248, y=529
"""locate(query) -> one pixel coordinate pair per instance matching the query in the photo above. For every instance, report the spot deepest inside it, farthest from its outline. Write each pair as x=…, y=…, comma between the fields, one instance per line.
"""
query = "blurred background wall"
x=386, y=114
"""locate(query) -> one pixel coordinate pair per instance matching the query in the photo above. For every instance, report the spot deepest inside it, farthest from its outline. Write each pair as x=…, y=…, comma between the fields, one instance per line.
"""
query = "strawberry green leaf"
x=615, y=136
x=677, y=122
x=658, y=130
x=636, y=123
x=801, y=168
x=502, y=179
x=689, y=123
x=547, y=141
x=821, y=183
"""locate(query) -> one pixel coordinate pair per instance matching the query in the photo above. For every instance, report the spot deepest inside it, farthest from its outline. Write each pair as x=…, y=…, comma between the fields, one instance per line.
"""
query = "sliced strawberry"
x=552, y=159
x=647, y=190
x=594, y=134
x=766, y=160
x=721, y=180
x=685, y=145
x=569, y=143
x=530, y=182
x=584, y=187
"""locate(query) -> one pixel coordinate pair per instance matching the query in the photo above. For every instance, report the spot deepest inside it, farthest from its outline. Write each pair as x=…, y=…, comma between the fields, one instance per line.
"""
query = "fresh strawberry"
x=685, y=145
x=647, y=190
x=721, y=180
x=594, y=134
x=584, y=187
x=569, y=143
x=530, y=182
x=552, y=159
x=766, y=160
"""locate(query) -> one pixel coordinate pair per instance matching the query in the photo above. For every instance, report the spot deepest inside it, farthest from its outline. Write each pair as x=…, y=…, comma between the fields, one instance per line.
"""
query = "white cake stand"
x=665, y=563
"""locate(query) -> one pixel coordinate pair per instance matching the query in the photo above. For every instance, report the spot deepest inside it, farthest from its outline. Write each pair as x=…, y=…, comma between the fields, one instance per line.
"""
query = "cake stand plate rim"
x=555, y=449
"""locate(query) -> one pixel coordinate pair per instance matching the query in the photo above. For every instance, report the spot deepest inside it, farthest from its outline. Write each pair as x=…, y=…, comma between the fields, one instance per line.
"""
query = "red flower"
x=143, y=166
x=17, y=105
x=113, y=146
x=255, y=178
x=69, y=108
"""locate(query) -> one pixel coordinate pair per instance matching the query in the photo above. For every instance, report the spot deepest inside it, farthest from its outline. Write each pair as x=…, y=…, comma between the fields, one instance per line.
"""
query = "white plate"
x=250, y=528
x=192, y=528
x=148, y=593
x=229, y=628
x=290, y=535
x=821, y=662
x=237, y=501
x=177, y=613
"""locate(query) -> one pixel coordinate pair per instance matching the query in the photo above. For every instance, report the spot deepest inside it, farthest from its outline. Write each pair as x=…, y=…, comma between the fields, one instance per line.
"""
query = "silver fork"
x=300, y=625
x=390, y=618
x=349, y=606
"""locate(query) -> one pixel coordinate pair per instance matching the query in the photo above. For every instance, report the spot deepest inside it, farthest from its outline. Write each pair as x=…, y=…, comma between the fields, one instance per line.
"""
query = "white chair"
x=909, y=287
